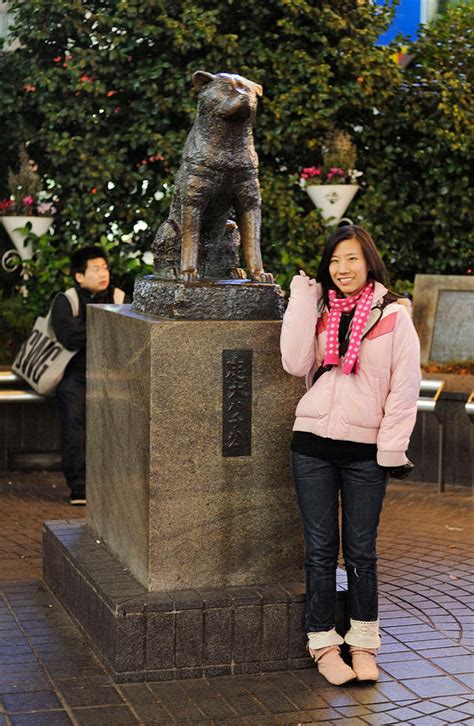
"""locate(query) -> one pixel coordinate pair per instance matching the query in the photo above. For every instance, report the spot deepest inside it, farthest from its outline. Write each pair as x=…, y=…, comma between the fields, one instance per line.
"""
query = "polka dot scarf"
x=362, y=303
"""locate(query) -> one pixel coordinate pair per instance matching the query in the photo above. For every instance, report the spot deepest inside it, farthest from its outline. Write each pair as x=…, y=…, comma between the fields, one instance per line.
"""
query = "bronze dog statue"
x=218, y=172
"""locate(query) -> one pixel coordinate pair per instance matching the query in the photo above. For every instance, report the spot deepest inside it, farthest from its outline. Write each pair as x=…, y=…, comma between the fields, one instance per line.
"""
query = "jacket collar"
x=379, y=291
x=89, y=297
x=376, y=311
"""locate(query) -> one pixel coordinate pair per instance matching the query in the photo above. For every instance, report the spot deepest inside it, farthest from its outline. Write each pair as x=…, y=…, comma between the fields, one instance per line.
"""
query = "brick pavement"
x=49, y=675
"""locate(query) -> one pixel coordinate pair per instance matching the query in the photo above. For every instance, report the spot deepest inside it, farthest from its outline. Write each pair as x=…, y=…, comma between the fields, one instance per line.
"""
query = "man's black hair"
x=80, y=257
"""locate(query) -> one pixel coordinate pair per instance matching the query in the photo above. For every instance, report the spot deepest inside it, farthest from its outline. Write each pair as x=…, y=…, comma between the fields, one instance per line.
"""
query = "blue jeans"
x=362, y=485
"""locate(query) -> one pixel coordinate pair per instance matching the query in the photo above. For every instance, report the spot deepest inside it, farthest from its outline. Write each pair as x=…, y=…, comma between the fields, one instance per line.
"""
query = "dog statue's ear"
x=200, y=78
x=258, y=89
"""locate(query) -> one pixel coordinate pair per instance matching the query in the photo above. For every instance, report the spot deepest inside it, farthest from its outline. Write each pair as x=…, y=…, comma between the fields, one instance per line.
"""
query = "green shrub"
x=418, y=153
x=102, y=92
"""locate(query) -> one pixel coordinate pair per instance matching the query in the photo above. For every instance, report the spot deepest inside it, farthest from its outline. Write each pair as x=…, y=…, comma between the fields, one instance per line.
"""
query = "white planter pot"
x=332, y=199
x=39, y=225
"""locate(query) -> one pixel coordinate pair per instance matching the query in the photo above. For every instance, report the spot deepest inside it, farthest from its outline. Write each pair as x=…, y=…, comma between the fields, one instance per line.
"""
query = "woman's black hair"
x=375, y=264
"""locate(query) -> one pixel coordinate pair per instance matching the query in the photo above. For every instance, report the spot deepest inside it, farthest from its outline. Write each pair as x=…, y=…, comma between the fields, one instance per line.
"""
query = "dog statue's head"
x=228, y=95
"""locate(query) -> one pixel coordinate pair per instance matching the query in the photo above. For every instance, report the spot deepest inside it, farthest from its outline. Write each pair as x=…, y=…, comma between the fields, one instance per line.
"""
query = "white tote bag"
x=42, y=359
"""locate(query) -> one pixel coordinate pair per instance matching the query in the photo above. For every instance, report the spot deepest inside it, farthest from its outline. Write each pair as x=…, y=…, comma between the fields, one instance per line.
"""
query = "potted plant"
x=27, y=210
x=332, y=185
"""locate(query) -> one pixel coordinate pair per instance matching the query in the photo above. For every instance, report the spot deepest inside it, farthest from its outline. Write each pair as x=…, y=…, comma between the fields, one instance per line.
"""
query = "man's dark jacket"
x=70, y=330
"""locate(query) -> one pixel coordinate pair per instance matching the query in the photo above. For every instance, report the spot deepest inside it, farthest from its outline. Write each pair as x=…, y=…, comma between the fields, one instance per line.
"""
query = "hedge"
x=101, y=91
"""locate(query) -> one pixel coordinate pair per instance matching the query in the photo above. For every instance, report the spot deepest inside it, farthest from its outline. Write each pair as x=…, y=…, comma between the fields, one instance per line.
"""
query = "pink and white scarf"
x=362, y=302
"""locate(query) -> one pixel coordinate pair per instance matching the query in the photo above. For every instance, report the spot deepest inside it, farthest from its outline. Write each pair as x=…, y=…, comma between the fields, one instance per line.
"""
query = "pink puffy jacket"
x=378, y=405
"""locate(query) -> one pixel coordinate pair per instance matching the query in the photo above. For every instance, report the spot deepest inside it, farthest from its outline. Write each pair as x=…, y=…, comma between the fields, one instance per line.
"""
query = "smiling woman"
x=352, y=429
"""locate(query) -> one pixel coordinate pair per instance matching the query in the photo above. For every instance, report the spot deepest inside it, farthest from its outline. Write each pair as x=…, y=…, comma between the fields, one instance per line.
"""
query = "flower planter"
x=332, y=199
x=13, y=225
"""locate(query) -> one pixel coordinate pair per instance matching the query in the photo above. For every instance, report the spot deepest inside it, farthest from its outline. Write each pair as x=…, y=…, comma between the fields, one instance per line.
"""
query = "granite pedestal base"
x=150, y=636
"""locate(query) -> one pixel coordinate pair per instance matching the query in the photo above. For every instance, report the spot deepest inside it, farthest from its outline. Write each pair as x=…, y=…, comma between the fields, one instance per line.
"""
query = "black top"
x=334, y=450
x=70, y=330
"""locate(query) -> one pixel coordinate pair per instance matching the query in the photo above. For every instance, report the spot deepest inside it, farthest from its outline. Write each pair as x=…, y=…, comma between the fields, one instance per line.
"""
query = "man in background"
x=90, y=270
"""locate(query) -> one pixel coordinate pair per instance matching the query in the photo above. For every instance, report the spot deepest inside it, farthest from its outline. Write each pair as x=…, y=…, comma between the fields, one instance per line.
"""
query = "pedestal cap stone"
x=207, y=300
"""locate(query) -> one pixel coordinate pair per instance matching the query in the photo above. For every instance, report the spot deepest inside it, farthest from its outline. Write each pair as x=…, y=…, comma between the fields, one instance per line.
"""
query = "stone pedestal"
x=166, y=487
x=191, y=560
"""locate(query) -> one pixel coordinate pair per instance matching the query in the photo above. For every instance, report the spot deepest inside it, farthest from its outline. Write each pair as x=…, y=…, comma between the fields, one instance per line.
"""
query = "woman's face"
x=348, y=267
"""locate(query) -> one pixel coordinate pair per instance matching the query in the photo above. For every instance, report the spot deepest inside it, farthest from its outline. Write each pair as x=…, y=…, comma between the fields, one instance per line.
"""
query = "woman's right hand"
x=303, y=282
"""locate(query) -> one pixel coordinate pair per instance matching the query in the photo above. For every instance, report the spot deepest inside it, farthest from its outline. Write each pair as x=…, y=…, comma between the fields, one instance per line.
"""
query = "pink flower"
x=28, y=201
x=335, y=171
x=310, y=171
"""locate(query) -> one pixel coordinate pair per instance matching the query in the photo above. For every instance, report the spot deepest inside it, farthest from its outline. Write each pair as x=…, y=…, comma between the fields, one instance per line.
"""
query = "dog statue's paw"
x=188, y=276
x=261, y=276
x=237, y=273
x=166, y=273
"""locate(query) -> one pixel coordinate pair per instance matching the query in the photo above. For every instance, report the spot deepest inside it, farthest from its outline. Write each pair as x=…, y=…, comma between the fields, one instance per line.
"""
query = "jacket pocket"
x=363, y=411
x=316, y=403
x=362, y=402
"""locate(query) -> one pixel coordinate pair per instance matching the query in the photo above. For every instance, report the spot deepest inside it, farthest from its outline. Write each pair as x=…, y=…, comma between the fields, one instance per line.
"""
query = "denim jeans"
x=71, y=395
x=362, y=486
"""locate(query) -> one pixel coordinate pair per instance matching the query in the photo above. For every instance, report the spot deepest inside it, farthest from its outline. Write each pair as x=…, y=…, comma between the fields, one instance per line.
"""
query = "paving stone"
x=395, y=691
x=411, y=668
x=215, y=708
x=380, y=719
x=406, y=713
x=307, y=699
x=31, y=701
x=41, y=718
x=153, y=714
x=456, y=664
x=436, y=686
x=451, y=715
x=295, y=718
x=352, y=711
x=136, y=693
x=450, y=700
x=467, y=708
x=427, y=707
x=337, y=697
x=321, y=715
x=105, y=716
x=434, y=653
x=103, y=695
x=244, y=704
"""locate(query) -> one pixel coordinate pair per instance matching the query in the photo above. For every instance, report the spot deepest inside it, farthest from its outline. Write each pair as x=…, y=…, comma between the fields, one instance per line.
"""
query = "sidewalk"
x=49, y=675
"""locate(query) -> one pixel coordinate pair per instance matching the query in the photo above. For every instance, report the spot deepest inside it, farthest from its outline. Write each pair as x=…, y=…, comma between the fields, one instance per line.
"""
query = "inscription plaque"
x=453, y=335
x=237, y=402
